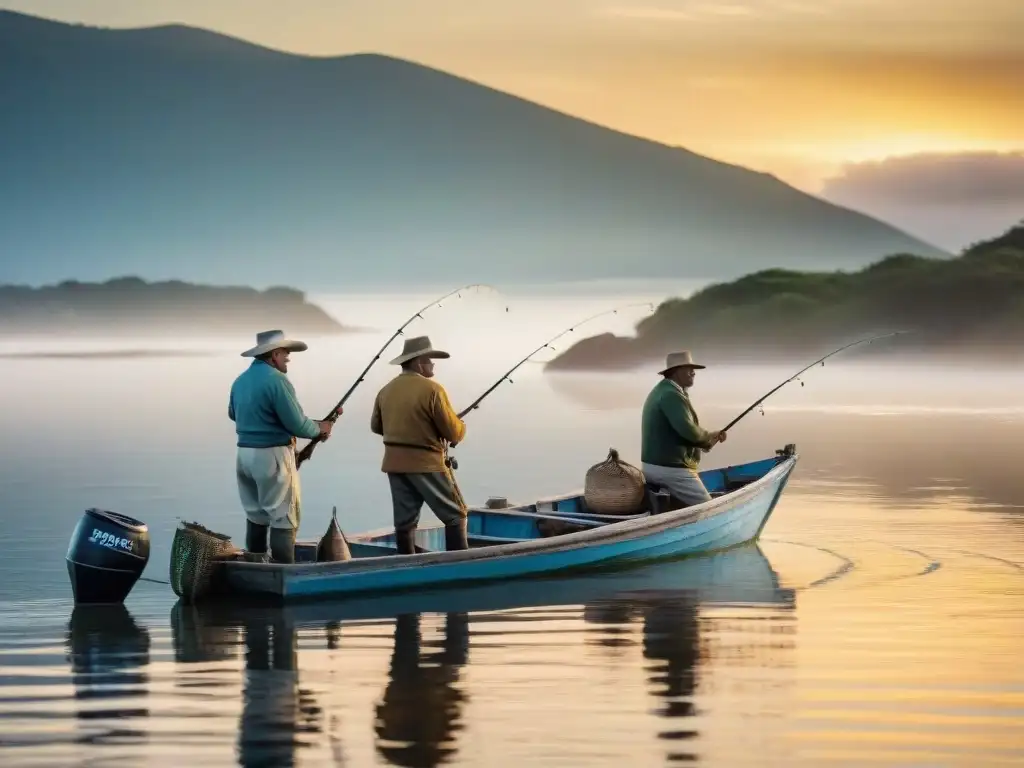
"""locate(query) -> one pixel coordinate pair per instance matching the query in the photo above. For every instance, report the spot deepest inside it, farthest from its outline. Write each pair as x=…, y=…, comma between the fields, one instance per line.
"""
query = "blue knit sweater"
x=265, y=410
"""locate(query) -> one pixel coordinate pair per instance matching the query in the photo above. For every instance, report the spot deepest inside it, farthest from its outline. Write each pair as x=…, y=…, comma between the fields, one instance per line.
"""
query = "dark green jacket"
x=671, y=436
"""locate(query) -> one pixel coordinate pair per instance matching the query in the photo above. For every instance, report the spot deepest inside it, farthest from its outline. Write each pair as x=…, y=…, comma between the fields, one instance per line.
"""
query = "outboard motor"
x=106, y=556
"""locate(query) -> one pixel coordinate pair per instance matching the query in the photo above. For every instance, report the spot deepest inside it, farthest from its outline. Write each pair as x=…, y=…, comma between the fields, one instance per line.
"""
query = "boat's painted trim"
x=739, y=576
x=726, y=521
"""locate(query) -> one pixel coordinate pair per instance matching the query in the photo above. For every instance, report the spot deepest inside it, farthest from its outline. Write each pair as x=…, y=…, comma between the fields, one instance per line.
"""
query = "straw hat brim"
x=681, y=365
x=432, y=353
x=292, y=345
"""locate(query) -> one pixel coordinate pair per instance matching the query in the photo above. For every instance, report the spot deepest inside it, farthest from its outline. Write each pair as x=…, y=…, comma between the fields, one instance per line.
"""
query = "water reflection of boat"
x=740, y=575
x=419, y=714
x=108, y=652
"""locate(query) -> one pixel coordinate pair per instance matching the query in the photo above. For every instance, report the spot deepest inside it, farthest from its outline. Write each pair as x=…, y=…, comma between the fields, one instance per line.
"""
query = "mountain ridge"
x=193, y=156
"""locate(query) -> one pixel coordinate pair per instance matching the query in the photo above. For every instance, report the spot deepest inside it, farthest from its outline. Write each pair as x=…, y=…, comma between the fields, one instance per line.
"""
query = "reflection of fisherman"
x=421, y=708
x=278, y=714
x=276, y=710
x=267, y=419
x=671, y=636
x=672, y=437
x=413, y=414
x=671, y=642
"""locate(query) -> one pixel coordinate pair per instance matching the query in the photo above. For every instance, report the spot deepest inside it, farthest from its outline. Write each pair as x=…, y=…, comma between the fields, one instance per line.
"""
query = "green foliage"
x=974, y=302
x=944, y=300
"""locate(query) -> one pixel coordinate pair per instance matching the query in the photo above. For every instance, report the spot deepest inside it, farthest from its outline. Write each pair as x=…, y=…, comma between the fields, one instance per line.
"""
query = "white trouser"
x=268, y=485
x=684, y=484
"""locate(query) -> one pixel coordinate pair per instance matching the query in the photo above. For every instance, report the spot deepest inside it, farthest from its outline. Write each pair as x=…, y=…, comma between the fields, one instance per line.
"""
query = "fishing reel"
x=449, y=461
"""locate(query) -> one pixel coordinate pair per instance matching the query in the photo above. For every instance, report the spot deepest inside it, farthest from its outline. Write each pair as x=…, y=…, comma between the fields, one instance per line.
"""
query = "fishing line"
x=795, y=377
x=307, y=452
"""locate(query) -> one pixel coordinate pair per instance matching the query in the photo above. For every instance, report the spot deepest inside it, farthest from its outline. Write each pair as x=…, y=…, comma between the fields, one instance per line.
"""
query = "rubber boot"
x=405, y=541
x=255, y=538
x=455, y=536
x=282, y=545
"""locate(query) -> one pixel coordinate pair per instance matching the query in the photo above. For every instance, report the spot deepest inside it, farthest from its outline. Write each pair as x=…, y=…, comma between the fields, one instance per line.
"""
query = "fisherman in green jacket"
x=672, y=438
x=267, y=419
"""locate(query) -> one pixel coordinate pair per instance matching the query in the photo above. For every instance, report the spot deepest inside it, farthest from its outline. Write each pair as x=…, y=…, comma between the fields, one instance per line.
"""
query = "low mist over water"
x=878, y=623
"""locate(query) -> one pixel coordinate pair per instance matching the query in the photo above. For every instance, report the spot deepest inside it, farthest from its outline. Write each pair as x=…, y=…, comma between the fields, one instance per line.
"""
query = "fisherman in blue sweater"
x=267, y=419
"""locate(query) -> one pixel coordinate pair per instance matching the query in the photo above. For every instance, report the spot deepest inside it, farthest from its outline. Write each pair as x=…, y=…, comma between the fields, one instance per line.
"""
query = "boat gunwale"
x=621, y=531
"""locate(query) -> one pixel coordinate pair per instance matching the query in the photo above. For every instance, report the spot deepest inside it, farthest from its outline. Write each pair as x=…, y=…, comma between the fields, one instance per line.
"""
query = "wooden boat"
x=530, y=540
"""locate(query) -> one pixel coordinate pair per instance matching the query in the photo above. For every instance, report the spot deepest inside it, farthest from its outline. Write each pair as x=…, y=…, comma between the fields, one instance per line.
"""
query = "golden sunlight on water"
x=842, y=640
x=912, y=654
x=878, y=622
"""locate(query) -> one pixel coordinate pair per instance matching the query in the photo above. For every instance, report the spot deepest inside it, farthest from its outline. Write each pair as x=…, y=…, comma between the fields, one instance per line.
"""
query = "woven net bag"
x=195, y=554
x=614, y=487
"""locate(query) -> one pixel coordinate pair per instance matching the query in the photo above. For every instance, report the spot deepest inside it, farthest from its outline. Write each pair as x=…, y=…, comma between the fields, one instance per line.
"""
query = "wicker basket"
x=614, y=487
x=195, y=554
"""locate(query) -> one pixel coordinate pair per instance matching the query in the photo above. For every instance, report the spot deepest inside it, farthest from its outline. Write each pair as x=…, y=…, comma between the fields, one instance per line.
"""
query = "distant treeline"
x=971, y=306
x=131, y=306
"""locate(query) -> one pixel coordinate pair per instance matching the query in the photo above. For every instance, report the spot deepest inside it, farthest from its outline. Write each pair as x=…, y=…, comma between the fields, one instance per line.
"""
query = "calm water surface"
x=878, y=622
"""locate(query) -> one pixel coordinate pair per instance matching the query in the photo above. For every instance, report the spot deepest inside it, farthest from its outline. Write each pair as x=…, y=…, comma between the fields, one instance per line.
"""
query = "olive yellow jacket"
x=414, y=416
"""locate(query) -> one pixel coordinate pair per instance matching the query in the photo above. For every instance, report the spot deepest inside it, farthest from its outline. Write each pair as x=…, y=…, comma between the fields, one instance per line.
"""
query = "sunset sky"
x=912, y=110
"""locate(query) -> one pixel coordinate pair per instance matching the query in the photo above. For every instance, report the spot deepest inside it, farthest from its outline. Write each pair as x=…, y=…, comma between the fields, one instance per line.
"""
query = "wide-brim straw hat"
x=418, y=346
x=267, y=341
x=679, y=360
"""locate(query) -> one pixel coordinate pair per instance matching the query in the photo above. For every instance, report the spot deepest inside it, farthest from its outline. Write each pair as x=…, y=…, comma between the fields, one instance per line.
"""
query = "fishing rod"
x=476, y=403
x=820, y=361
x=450, y=461
x=307, y=451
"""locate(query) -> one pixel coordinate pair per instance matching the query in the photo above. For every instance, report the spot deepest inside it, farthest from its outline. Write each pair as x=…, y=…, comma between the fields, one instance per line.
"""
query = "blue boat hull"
x=740, y=576
x=733, y=518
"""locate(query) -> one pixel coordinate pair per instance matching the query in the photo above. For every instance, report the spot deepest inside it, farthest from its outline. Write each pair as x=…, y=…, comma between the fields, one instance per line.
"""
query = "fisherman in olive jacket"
x=267, y=419
x=413, y=415
x=672, y=438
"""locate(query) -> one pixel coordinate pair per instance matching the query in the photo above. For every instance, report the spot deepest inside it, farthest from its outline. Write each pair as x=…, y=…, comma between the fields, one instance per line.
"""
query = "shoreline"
x=901, y=358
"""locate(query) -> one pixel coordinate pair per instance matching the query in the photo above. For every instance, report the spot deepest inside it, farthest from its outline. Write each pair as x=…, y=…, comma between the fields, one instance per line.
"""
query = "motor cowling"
x=106, y=556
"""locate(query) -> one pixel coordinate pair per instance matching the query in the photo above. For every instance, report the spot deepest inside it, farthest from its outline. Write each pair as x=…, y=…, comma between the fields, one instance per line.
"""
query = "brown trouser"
x=438, y=489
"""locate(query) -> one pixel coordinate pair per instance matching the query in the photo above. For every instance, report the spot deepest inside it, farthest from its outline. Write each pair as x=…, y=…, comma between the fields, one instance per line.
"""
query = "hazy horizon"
x=486, y=326
x=486, y=323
